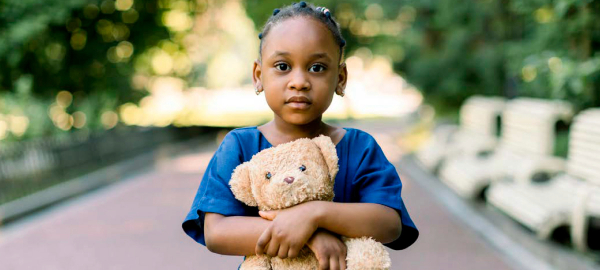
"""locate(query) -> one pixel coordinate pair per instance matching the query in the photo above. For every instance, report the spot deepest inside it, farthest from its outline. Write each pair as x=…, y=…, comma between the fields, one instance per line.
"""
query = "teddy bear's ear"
x=240, y=184
x=329, y=153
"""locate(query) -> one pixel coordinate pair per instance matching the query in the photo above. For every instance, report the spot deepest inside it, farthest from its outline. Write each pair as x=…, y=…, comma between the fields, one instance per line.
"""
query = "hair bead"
x=275, y=11
x=325, y=11
x=302, y=4
x=343, y=43
x=260, y=35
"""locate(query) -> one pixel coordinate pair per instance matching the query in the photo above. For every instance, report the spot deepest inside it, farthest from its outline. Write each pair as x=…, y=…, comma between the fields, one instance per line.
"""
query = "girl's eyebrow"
x=314, y=55
x=278, y=53
x=320, y=55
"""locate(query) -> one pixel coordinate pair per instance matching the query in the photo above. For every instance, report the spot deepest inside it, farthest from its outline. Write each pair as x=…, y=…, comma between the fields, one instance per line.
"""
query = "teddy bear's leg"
x=306, y=260
x=366, y=253
x=258, y=262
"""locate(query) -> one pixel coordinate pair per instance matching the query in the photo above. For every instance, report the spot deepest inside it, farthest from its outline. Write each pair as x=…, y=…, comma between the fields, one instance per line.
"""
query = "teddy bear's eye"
x=302, y=168
x=268, y=176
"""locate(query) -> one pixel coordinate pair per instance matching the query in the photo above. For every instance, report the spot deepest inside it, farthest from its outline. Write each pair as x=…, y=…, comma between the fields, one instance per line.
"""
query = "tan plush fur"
x=250, y=185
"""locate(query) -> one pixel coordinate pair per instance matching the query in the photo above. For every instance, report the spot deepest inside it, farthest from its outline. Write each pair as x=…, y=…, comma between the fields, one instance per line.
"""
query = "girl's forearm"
x=360, y=219
x=236, y=235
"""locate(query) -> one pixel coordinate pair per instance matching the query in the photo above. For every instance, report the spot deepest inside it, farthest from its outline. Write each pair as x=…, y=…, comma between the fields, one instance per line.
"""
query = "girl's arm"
x=349, y=219
x=360, y=219
x=235, y=235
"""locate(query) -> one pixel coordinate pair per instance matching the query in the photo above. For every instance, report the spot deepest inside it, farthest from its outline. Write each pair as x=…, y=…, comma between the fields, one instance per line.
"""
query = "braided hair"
x=320, y=14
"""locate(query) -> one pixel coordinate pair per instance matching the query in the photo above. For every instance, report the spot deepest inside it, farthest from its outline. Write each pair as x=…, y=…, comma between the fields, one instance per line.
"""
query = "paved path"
x=136, y=224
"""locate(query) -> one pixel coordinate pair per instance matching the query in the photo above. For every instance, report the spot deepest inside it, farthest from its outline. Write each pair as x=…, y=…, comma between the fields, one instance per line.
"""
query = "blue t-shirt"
x=365, y=175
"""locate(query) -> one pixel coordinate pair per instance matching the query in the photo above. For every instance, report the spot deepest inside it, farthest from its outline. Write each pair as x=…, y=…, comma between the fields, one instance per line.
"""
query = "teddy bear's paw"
x=366, y=253
x=259, y=262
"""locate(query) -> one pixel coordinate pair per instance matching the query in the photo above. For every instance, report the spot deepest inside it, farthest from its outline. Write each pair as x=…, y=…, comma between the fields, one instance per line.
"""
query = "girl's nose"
x=299, y=81
x=289, y=180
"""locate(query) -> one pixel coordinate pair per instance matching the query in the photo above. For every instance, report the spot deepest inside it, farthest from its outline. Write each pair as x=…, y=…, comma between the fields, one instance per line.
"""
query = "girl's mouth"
x=298, y=102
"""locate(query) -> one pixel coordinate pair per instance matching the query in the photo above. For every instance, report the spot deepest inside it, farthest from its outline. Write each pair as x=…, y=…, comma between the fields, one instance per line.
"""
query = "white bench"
x=568, y=199
x=477, y=132
x=525, y=148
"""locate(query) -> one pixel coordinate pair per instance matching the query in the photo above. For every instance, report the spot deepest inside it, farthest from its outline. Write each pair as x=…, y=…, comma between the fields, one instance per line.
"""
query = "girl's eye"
x=268, y=176
x=282, y=66
x=317, y=68
x=302, y=168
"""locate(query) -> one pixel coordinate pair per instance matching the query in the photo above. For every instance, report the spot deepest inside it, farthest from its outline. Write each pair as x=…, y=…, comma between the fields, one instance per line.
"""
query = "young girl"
x=299, y=69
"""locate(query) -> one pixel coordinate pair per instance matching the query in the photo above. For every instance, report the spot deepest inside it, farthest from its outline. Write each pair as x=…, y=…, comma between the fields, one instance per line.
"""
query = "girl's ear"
x=256, y=76
x=241, y=185
x=342, y=80
x=329, y=153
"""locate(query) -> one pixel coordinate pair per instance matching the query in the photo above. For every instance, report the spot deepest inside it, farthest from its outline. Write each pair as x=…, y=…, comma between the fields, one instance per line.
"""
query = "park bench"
x=569, y=199
x=477, y=132
x=524, y=152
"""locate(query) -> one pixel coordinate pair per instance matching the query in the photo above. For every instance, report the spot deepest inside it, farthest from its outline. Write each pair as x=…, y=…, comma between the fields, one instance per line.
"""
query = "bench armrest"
x=541, y=169
x=474, y=145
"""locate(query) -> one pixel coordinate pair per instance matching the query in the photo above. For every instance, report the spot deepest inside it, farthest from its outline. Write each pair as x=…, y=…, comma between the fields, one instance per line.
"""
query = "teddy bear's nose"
x=289, y=180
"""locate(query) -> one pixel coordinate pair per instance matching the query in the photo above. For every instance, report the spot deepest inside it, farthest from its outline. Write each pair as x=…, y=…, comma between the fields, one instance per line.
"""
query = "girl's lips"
x=299, y=105
x=298, y=99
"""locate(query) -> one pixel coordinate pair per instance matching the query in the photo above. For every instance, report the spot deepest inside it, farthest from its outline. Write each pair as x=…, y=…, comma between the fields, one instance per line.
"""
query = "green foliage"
x=512, y=48
x=40, y=39
x=85, y=47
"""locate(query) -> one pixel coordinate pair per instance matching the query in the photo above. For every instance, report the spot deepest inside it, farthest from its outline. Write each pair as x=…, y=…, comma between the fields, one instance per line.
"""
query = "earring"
x=257, y=91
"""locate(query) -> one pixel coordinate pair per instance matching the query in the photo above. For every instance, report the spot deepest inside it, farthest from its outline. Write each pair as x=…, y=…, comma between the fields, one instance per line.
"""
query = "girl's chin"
x=299, y=119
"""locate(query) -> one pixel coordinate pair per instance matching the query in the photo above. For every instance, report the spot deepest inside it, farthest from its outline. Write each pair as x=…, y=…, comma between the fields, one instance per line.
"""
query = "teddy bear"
x=289, y=174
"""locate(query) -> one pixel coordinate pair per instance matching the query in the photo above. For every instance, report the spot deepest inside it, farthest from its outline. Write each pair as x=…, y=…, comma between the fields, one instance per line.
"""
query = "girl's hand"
x=329, y=249
x=288, y=232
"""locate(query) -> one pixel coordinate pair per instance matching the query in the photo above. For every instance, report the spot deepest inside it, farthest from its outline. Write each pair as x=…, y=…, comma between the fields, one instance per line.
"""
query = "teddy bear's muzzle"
x=289, y=180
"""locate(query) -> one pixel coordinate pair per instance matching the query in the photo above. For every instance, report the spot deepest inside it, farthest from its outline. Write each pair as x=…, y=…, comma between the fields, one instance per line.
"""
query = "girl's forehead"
x=300, y=35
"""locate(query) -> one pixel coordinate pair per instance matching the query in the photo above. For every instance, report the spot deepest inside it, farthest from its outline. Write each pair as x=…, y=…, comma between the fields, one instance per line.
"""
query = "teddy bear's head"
x=287, y=174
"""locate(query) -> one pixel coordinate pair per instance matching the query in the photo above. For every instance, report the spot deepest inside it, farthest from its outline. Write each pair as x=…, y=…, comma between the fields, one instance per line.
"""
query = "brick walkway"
x=136, y=224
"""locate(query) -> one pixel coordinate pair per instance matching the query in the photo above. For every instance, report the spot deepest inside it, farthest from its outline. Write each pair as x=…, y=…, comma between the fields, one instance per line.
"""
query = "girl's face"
x=299, y=70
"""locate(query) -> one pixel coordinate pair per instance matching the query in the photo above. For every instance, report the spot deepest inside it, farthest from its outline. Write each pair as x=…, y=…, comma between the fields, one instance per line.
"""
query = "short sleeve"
x=214, y=194
x=378, y=182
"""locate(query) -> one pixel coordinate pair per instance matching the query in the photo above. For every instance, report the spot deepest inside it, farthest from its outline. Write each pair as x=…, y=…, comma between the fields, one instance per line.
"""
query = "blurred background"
x=96, y=92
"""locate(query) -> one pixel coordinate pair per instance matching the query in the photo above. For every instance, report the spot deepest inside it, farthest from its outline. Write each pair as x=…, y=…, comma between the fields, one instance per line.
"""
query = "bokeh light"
x=79, y=119
x=123, y=5
x=109, y=119
x=64, y=99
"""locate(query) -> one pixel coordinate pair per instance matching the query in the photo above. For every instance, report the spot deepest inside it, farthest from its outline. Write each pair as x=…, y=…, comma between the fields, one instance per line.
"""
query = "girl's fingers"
x=323, y=263
x=343, y=263
x=263, y=240
x=283, y=252
x=343, y=258
x=273, y=248
x=334, y=263
x=293, y=253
